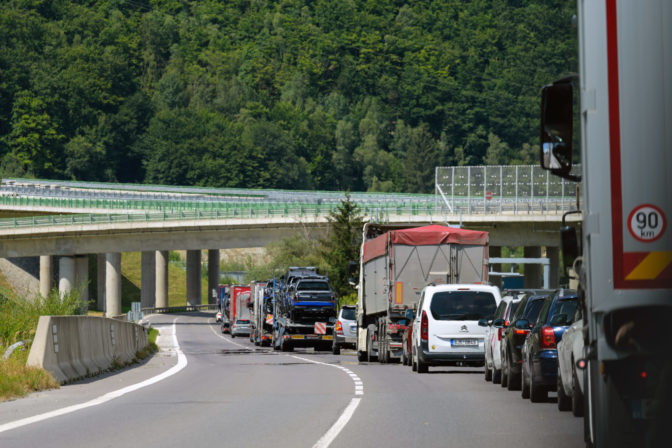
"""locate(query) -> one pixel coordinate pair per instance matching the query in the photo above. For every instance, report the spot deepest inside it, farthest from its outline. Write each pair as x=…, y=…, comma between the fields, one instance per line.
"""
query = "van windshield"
x=462, y=305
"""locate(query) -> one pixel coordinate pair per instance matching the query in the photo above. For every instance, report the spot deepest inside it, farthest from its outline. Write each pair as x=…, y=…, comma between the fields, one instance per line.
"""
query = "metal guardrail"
x=378, y=213
x=178, y=309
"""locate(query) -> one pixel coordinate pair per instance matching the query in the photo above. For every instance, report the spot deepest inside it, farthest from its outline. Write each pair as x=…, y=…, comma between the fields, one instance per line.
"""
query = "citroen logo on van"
x=464, y=329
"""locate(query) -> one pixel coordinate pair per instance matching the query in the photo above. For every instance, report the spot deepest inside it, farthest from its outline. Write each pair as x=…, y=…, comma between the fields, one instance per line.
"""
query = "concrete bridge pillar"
x=148, y=278
x=532, y=272
x=66, y=275
x=100, y=283
x=161, y=284
x=213, y=275
x=553, y=255
x=82, y=279
x=495, y=251
x=112, y=284
x=46, y=274
x=193, y=277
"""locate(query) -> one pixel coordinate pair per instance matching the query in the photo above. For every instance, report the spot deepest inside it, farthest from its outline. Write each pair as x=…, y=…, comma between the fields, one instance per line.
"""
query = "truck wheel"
x=404, y=358
x=335, y=349
x=370, y=334
x=361, y=356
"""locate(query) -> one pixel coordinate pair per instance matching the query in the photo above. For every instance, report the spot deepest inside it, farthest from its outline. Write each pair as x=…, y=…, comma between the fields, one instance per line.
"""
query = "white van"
x=446, y=330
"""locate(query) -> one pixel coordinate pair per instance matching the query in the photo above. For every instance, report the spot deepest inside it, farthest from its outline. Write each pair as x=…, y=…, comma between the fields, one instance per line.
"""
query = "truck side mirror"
x=557, y=115
x=352, y=271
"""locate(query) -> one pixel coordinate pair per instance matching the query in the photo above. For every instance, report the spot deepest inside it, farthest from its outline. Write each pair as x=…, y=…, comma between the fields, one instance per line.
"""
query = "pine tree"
x=341, y=246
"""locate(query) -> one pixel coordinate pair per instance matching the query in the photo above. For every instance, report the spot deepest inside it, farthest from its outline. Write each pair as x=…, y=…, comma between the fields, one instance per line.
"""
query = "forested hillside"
x=323, y=94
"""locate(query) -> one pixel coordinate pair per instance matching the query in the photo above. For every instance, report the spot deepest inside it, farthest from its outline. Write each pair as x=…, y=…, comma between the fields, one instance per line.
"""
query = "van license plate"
x=464, y=342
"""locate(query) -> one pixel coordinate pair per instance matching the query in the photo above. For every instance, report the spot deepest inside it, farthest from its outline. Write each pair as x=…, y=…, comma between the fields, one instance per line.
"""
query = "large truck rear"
x=395, y=265
x=625, y=50
x=262, y=314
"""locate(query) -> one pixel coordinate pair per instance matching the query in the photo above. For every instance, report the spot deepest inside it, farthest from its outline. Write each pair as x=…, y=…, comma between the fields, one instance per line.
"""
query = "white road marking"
x=231, y=342
x=181, y=364
x=345, y=417
x=333, y=432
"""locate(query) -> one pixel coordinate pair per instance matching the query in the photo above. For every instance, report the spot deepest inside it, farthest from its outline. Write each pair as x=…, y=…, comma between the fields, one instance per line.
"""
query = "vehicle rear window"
x=566, y=307
x=312, y=286
x=348, y=313
x=462, y=305
x=242, y=321
x=533, y=308
x=512, y=308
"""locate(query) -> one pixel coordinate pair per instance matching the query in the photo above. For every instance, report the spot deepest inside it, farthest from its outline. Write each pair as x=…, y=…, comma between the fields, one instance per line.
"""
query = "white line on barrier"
x=181, y=364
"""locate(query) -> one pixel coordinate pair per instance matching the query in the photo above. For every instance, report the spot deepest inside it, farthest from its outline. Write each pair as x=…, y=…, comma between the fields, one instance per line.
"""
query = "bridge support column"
x=112, y=284
x=161, y=279
x=148, y=278
x=532, y=272
x=66, y=275
x=193, y=277
x=46, y=274
x=100, y=283
x=553, y=255
x=495, y=251
x=82, y=279
x=213, y=275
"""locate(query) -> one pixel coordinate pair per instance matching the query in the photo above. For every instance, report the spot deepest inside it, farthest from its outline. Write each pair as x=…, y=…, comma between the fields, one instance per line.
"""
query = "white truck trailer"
x=395, y=265
x=625, y=109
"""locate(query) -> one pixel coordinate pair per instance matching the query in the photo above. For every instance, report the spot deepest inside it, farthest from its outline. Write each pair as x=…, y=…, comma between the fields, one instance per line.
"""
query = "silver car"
x=345, y=330
x=241, y=327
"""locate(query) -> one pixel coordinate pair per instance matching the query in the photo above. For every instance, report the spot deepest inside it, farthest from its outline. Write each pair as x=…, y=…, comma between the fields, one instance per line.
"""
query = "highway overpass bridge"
x=77, y=219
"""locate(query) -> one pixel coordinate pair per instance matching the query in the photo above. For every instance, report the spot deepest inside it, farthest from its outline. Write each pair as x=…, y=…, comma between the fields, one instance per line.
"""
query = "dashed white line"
x=181, y=364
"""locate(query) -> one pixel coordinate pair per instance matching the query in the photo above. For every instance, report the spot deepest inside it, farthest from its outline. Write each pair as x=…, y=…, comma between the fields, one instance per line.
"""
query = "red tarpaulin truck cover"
x=423, y=236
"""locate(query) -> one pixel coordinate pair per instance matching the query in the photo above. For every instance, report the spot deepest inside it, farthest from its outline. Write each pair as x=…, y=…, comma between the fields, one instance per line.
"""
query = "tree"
x=342, y=244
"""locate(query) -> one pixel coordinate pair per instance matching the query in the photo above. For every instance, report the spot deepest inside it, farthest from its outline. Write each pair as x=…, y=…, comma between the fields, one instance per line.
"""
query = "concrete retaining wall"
x=72, y=347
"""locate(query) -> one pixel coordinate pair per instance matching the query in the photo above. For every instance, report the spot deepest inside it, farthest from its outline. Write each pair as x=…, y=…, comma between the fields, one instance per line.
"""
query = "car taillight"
x=424, y=327
x=499, y=334
x=520, y=332
x=339, y=327
x=296, y=297
x=547, y=338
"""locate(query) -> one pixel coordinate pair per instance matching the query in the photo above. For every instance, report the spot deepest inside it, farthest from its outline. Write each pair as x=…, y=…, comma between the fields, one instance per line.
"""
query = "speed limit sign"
x=646, y=223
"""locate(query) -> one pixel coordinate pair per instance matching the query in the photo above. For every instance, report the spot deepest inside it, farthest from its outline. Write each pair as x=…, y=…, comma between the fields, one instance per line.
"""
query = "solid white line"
x=181, y=364
x=230, y=341
x=345, y=417
x=336, y=428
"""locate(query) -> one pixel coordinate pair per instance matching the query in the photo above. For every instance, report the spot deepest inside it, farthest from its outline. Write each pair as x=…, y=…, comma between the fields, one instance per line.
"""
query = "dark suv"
x=514, y=336
x=540, y=353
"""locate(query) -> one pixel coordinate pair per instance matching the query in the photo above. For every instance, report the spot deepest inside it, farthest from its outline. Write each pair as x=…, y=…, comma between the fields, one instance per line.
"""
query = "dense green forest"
x=305, y=94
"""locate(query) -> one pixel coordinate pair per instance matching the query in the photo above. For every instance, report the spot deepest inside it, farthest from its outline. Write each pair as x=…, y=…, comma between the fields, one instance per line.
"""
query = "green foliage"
x=358, y=95
x=19, y=316
x=342, y=244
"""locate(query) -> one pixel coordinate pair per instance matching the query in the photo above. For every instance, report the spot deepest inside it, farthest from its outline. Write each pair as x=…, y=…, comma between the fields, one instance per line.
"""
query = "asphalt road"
x=231, y=393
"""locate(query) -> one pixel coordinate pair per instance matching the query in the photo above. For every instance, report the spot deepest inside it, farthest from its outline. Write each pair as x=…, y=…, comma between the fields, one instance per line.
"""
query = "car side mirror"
x=484, y=323
x=498, y=323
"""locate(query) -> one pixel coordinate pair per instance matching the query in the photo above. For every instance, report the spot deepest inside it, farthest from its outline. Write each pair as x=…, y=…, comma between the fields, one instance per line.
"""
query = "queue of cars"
x=536, y=337
x=527, y=340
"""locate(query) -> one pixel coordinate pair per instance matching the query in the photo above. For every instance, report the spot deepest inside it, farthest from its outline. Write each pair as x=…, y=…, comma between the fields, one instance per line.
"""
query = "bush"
x=19, y=317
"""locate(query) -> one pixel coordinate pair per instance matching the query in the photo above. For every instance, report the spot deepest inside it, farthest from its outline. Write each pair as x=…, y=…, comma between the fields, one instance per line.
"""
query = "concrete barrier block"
x=72, y=347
